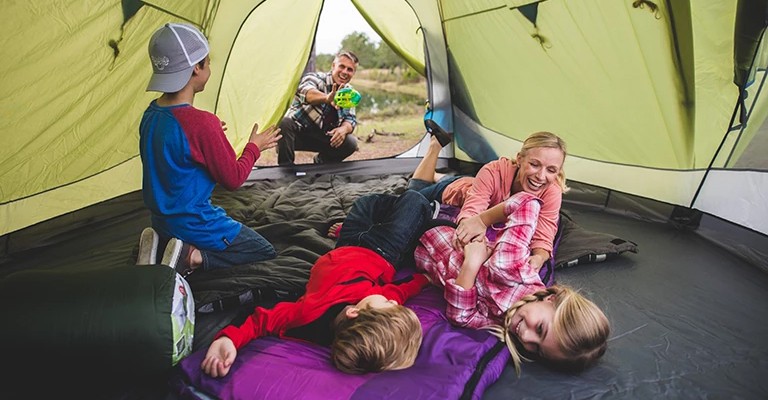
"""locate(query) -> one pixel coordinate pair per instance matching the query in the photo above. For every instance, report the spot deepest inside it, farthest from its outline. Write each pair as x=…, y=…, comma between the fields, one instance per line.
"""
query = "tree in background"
x=360, y=44
x=323, y=62
x=386, y=58
x=371, y=55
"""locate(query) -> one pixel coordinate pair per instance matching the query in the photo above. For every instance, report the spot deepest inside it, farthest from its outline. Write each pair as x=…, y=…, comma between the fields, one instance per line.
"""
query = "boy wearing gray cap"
x=185, y=153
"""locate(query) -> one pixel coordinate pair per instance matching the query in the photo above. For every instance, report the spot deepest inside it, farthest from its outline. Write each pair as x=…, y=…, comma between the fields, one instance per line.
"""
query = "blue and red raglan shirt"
x=185, y=153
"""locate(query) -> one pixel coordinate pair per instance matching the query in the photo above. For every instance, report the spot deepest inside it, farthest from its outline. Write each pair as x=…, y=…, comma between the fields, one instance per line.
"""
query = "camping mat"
x=689, y=320
x=293, y=214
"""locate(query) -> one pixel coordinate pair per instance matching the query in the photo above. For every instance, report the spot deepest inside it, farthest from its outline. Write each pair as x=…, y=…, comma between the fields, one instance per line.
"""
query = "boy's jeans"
x=387, y=224
x=247, y=248
x=432, y=191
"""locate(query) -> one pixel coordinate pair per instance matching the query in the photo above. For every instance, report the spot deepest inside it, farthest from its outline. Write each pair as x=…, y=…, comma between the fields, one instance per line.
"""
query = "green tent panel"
x=647, y=94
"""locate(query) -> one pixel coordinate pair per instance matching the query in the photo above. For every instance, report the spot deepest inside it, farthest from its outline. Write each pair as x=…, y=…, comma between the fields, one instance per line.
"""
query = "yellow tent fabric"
x=398, y=26
x=76, y=79
x=609, y=61
x=642, y=91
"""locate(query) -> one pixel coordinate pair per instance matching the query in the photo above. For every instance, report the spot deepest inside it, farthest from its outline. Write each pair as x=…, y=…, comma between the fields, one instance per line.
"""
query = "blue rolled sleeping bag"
x=130, y=321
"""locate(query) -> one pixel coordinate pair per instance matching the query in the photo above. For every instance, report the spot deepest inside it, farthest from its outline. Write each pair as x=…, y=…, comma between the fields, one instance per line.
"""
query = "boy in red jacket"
x=351, y=302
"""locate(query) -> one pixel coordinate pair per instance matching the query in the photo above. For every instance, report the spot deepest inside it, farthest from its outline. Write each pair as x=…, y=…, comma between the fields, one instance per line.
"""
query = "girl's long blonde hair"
x=580, y=326
x=548, y=140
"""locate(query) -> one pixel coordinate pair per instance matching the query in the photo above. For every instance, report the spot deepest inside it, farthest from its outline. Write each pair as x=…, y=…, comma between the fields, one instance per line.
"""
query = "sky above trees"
x=338, y=19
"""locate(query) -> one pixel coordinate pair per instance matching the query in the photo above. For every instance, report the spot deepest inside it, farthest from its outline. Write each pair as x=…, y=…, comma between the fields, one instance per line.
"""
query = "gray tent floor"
x=689, y=320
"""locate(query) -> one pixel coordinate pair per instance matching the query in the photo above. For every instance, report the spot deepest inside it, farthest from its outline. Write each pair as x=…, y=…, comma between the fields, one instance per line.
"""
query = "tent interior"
x=660, y=104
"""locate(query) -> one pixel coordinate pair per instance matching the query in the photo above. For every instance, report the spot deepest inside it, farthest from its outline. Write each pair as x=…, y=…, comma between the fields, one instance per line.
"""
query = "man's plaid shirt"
x=306, y=114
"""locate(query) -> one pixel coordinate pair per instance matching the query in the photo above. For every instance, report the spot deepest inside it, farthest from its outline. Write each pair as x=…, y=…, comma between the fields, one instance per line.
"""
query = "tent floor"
x=689, y=320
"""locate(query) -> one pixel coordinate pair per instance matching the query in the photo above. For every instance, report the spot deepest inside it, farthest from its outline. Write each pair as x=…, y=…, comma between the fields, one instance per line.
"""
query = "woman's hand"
x=469, y=229
x=219, y=358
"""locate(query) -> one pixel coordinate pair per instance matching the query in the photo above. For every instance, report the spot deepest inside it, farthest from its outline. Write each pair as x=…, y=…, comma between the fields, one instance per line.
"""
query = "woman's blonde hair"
x=548, y=140
x=581, y=329
x=376, y=340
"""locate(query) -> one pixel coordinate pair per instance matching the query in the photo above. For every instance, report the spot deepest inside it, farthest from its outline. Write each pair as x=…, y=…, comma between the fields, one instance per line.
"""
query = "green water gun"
x=347, y=97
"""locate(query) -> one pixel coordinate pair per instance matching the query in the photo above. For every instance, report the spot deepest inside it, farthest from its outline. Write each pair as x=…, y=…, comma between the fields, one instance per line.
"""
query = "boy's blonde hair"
x=580, y=326
x=376, y=340
x=548, y=140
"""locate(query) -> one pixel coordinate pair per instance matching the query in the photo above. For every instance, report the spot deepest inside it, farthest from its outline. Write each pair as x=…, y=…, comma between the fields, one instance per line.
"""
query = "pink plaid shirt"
x=504, y=278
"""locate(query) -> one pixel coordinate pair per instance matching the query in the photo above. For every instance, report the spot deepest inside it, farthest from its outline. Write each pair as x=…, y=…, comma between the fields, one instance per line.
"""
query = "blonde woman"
x=537, y=169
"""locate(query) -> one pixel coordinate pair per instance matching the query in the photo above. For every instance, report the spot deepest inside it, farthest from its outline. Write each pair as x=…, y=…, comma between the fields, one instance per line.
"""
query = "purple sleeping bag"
x=453, y=363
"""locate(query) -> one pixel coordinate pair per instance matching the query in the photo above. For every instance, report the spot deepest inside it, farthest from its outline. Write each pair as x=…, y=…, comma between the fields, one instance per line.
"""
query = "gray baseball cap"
x=174, y=49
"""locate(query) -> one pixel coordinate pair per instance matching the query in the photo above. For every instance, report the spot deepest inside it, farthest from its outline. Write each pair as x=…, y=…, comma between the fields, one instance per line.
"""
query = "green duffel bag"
x=128, y=321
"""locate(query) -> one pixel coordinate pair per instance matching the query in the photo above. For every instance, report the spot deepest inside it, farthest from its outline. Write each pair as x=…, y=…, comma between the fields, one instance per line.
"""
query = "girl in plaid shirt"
x=490, y=284
x=489, y=264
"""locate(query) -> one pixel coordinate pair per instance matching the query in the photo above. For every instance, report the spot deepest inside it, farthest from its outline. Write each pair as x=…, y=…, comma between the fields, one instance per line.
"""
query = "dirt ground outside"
x=375, y=139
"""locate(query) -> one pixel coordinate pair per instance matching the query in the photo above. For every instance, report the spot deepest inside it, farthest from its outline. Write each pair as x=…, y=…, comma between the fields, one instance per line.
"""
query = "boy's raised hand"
x=219, y=358
x=266, y=139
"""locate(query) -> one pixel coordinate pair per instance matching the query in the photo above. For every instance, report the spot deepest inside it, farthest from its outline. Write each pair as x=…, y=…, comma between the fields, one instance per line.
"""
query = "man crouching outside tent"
x=314, y=122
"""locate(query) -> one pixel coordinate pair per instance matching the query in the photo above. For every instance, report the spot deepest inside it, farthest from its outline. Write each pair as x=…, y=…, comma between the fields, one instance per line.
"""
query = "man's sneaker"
x=148, y=242
x=176, y=256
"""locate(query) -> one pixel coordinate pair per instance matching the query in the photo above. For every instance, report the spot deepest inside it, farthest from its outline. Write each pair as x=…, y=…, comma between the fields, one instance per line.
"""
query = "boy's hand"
x=266, y=139
x=221, y=354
